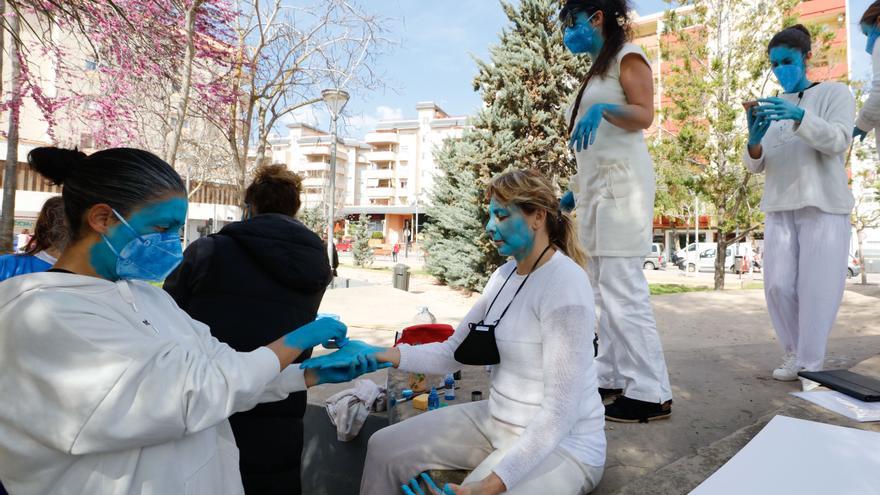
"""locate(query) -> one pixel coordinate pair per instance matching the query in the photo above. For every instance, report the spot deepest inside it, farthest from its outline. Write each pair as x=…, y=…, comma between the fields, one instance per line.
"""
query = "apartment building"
x=391, y=184
x=386, y=176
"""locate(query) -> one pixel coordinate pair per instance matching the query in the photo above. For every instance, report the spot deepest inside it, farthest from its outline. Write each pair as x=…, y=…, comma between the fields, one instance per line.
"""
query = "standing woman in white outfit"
x=541, y=429
x=869, y=117
x=613, y=193
x=111, y=388
x=800, y=140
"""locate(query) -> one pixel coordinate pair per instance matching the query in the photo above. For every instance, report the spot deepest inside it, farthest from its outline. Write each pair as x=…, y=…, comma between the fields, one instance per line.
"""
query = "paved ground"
x=720, y=348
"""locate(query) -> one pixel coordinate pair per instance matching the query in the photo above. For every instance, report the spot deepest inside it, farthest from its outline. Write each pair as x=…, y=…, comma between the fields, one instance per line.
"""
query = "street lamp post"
x=335, y=100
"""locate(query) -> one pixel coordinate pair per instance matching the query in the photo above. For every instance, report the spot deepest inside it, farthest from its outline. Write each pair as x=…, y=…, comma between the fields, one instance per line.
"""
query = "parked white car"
x=656, y=259
x=706, y=259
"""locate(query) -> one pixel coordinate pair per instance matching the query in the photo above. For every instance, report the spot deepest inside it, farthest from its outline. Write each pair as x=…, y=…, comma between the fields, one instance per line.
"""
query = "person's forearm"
x=389, y=355
x=285, y=353
x=630, y=117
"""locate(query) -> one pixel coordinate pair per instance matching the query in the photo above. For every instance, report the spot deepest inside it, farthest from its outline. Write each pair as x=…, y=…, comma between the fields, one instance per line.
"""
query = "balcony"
x=381, y=156
x=381, y=138
x=379, y=173
x=380, y=192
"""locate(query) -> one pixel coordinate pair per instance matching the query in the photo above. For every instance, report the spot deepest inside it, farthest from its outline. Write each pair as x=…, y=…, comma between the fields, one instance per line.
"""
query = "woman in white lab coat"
x=109, y=387
x=869, y=117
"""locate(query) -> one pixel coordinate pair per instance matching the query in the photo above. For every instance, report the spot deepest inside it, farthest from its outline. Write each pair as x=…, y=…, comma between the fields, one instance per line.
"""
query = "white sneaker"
x=788, y=372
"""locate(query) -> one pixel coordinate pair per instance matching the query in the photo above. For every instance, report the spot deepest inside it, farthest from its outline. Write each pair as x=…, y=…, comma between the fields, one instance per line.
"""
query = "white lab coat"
x=110, y=388
x=869, y=117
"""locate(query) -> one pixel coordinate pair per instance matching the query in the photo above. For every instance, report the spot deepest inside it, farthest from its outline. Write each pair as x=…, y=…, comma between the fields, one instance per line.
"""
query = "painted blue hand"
x=356, y=367
x=343, y=357
x=758, y=127
x=413, y=488
x=585, y=131
x=860, y=134
x=774, y=108
x=567, y=202
x=323, y=331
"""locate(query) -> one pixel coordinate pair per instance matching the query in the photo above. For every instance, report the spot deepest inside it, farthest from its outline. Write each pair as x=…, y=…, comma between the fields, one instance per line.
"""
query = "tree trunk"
x=190, y=22
x=7, y=218
x=860, y=236
x=720, y=260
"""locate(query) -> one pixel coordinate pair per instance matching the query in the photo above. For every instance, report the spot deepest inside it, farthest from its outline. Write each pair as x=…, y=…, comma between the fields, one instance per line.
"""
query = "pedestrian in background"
x=43, y=249
x=394, y=251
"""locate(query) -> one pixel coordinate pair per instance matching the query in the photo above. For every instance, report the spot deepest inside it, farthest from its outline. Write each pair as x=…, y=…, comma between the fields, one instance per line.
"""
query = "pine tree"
x=361, y=250
x=314, y=218
x=526, y=86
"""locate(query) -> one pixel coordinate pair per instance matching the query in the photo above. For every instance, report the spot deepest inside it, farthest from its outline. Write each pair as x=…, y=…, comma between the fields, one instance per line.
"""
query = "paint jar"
x=433, y=400
x=476, y=395
x=449, y=388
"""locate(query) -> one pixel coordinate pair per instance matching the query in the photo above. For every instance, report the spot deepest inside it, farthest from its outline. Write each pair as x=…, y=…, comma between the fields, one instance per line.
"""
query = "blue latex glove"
x=357, y=367
x=567, y=203
x=775, y=108
x=858, y=133
x=584, y=134
x=757, y=127
x=324, y=331
x=413, y=488
x=343, y=357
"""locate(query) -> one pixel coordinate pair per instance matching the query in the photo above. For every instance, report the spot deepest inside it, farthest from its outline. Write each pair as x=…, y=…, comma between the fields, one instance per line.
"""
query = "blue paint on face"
x=509, y=230
x=161, y=216
x=789, y=67
x=872, y=32
x=583, y=37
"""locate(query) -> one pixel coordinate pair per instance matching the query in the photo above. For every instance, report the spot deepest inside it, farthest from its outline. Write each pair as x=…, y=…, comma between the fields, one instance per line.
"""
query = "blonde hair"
x=531, y=191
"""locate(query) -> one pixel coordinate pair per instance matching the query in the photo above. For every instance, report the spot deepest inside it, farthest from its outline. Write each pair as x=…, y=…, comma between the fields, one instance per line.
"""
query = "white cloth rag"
x=348, y=410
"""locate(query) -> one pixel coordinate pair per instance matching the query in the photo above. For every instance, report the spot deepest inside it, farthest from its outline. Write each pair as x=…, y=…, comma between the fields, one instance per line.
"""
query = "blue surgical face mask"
x=789, y=67
x=509, y=230
x=582, y=37
x=150, y=257
x=872, y=32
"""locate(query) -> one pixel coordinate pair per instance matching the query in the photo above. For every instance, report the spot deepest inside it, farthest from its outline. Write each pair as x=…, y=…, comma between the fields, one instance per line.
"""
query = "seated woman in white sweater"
x=542, y=429
x=799, y=140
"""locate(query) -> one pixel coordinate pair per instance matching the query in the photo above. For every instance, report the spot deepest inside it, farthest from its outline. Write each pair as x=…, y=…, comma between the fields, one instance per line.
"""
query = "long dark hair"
x=123, y=178
x=50, y=230
x=617, y=30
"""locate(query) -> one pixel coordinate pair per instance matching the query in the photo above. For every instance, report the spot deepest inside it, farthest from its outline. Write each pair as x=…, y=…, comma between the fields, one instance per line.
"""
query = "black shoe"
x=626, y=410
x=609, y=393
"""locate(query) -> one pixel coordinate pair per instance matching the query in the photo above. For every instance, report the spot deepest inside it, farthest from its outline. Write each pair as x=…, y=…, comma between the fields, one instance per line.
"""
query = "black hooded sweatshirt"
x=252, y=283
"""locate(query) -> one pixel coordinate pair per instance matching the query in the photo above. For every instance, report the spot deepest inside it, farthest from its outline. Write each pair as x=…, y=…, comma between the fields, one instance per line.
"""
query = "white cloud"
x=358, y=125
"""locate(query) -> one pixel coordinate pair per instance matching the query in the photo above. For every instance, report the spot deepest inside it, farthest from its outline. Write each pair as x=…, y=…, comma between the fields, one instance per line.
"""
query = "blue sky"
x=431, y=57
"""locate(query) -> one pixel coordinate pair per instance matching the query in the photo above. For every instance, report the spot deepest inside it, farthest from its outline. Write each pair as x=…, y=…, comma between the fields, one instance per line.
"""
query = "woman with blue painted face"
x=613, y=196
x=117, y=390
x=541, y=429
x=869, y=117
x=799, y=140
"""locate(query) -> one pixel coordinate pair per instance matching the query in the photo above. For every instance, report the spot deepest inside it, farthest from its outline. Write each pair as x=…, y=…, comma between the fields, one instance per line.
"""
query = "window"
x=91, y=65
x=86, y=141
x=403, y=183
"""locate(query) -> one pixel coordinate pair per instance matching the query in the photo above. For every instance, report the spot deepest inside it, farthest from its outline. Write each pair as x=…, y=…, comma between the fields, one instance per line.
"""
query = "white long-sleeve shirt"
x=110, y=388
x=804, y=163
x=545, y=386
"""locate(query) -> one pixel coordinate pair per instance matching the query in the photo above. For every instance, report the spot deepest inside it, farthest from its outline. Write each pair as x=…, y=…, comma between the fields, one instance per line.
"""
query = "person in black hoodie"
x=252, y=282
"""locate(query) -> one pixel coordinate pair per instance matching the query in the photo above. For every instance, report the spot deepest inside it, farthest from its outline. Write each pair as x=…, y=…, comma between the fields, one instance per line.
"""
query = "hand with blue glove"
x=567, y=203
x=758, y=127
x=776, y=108
x=359, y=366
x=860, y=134
x=343, y=357
x=585, y=131
x=325, y=331
x=413, y=488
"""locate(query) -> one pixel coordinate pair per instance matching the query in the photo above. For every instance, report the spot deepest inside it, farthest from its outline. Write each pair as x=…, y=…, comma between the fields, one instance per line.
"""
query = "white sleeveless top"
x=614, y=184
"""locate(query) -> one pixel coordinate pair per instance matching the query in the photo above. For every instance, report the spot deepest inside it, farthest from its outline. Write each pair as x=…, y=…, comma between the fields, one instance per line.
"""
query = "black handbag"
x=479, y=348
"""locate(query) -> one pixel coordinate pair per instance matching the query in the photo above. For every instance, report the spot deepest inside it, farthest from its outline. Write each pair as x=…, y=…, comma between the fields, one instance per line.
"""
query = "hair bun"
x=803, y=29
x=54, y=163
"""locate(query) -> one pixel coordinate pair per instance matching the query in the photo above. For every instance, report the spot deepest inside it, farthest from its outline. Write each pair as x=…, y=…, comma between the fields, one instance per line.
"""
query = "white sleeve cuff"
x=264, y=363
x=293, y=379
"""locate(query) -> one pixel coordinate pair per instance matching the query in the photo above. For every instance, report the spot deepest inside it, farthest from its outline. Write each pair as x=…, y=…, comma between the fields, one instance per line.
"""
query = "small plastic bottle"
x=449, y=387
x=433, y=400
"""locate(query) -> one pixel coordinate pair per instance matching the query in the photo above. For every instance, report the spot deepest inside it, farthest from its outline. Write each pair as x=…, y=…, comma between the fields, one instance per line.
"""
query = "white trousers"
x=464, y=437
x=805, y=261
x=630, y=353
